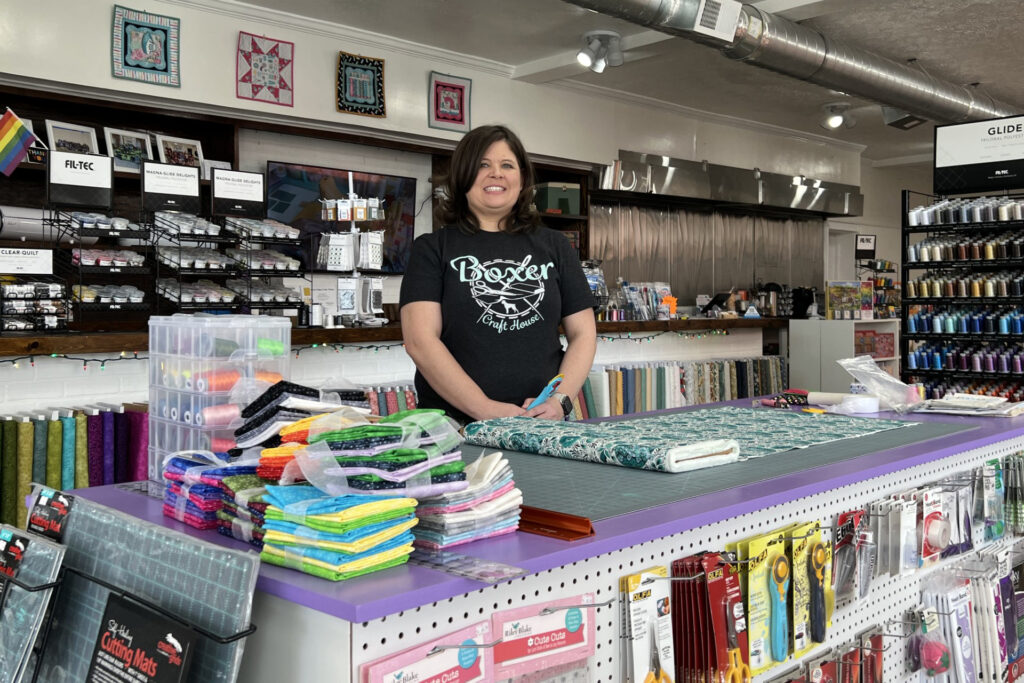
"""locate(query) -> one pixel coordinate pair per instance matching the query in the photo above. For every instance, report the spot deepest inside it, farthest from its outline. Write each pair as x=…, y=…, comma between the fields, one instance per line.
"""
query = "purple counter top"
x=401, y=588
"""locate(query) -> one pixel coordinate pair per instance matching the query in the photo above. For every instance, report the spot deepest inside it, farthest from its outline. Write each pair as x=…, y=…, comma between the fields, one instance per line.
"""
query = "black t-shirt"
x=502, y=298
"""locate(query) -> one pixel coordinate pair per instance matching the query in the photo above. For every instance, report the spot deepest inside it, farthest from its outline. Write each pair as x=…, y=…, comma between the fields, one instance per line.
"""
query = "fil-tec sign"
x=81, y=170
x=979, y=156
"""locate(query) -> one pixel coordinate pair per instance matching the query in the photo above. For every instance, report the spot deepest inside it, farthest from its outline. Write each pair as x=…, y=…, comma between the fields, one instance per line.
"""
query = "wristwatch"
x=565, y=401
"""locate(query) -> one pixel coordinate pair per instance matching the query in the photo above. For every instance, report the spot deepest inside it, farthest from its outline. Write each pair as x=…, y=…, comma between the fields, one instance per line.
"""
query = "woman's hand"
x=498, y=409
x=550, y=409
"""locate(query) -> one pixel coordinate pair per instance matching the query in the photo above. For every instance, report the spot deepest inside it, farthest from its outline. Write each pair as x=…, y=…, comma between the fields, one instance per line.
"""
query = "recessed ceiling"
x=960, y=41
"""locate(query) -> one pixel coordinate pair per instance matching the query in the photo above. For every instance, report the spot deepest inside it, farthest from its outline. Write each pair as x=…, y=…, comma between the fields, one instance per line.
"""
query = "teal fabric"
x=644, y=443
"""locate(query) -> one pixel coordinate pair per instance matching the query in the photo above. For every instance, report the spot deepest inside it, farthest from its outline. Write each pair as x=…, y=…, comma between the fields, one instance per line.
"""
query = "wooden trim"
x=14, y=344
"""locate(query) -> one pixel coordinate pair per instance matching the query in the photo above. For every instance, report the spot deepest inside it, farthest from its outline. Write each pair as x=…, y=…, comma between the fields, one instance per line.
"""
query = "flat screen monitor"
x=980, y=156
x=294, y=192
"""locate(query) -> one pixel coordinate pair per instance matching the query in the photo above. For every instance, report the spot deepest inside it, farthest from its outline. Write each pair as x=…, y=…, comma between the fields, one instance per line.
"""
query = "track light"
x=600, y=49
x=836, y=115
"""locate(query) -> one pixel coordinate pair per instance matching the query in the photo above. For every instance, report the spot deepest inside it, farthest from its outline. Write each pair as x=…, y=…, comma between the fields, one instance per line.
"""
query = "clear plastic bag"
x=892, y=393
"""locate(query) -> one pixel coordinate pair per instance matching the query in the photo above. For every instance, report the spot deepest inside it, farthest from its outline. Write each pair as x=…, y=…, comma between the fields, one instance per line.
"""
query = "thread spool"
x=274, y=347
x=222, y=445
x=219, y=416
x=186, y=416
x=174, y=413
x=217, y=380
x=268, y=376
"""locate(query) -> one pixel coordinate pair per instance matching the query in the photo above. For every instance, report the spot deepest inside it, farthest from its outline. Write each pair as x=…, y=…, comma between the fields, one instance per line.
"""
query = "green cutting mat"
x=599, y=491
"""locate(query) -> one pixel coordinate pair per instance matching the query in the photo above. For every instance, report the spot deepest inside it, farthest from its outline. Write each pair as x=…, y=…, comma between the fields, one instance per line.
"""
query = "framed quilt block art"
x=144, y=47
x=360, y=85
x=449, y=99
x=264, y=69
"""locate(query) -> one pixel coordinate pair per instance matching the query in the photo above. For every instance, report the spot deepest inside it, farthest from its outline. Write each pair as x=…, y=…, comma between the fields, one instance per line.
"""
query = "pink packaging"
x=456, y=665
x=532, y=640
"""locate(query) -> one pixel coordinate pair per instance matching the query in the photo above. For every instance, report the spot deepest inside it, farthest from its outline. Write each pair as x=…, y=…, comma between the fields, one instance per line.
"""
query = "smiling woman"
x=483, y=297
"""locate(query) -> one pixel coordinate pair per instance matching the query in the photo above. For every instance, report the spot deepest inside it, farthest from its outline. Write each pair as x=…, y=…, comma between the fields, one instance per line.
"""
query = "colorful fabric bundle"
x=195, y=488
x=336, y=566
x=489, y=507
x=335, y=537
x=274, y=460
x=239, y=529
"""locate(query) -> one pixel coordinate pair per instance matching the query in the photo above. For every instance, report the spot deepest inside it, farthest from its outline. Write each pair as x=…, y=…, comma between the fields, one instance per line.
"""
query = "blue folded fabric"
x=347, y=537
x=446, y=539
x=284, y=496
x=331, y=557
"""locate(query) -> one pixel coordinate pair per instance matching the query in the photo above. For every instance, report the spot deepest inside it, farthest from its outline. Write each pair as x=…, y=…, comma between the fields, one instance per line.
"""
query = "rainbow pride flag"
x=15, y=139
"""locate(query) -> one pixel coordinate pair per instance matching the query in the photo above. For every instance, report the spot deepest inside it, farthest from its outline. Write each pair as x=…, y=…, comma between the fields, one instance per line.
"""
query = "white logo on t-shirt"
x=508, y=292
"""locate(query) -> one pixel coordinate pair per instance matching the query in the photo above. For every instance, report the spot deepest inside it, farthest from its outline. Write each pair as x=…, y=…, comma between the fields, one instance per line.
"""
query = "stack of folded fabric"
x=273, y=460
x=193, y=494
x=335, y=537
x=242, y=513
x=280, y=406
x=414, y=453
x=490, y=506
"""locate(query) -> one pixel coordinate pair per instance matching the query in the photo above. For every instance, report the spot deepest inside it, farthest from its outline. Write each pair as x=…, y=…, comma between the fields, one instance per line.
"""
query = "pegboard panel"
x=888, y=599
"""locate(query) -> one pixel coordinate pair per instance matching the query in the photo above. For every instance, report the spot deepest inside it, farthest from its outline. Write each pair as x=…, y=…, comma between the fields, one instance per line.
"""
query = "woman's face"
x=497, y=186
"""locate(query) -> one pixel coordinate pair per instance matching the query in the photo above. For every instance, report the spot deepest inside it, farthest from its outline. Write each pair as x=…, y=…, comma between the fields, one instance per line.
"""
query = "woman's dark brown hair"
x=453, y=209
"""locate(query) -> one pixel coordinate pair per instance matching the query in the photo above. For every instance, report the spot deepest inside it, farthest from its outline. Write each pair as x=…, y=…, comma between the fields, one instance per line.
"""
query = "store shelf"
x=99, y=307
x=691, y=324
x=265, y=272
x=115, y=270
x=203, y=272
x=886, y=358
x=958, y=227
x=967, y=374
x=142, y=234
x=973, y=264
x=274, y=305
x=994, y=300
x=198, y=239
x=271, y=240
x=961, y=336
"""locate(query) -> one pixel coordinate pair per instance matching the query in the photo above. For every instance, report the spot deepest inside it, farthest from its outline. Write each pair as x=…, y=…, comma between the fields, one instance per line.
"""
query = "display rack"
x=33, y=303
x=887, y=292
x=962, y=290
x=6, y=583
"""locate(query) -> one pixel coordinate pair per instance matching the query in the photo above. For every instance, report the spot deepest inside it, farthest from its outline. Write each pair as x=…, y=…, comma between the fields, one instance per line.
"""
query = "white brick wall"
x=60, y=383
x=55, y=382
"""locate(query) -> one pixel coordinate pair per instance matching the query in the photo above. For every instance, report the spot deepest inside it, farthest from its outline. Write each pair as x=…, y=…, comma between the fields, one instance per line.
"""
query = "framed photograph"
x=449, y=100
x=128, y=148
x=264, y=70
x=360, y=86
x=70, y=137
x=210, y=164
x=145, y=47
x=179, y=151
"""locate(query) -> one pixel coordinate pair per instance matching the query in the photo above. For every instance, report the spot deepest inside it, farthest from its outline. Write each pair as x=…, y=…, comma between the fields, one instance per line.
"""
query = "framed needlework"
x=449, y=101
x=360, y=86
x=129, y=148
x=263, y=69
x=179, y=151
x=145, y=47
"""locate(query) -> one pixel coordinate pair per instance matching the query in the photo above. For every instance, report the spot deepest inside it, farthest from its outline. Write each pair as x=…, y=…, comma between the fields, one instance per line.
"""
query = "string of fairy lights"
x=102, y=363
x=21, y=361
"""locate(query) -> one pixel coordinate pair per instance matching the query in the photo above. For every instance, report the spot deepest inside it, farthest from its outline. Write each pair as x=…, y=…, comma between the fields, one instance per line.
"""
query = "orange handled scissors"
x=737, y=671
x=656, y=674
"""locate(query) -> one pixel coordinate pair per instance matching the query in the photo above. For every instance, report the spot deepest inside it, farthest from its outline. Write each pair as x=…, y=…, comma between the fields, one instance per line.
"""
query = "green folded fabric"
x=26, y=458
x=8, y=473
x=81, y=452
x=448, y=468
x=321, y=524
x=39, y=451
x=54, y=438
x=312, y=569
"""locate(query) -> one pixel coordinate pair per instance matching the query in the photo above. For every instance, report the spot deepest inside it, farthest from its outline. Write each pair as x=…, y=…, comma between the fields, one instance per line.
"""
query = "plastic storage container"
x=203, y=369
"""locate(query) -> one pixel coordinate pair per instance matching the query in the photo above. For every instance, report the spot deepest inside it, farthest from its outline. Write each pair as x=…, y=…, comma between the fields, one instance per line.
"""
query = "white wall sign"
x=26, y=261
x=237, y=185
x=80, y=170
x=979, y=142
x=182, y=181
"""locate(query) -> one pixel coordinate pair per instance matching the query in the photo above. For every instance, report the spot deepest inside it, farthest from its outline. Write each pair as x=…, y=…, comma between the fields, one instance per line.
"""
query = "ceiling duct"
x=772, y=42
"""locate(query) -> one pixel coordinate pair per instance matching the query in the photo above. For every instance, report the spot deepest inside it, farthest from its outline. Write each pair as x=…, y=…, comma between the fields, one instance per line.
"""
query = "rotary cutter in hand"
x=816, y=574
x=656, y=674
x=737, y=671
x=779, y=589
